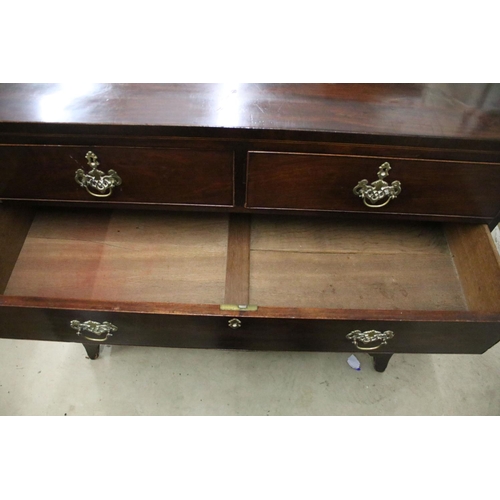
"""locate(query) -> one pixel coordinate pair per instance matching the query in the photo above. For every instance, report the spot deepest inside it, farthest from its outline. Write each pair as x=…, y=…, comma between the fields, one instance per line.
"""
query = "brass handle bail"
x=378, y=191
x=368, y=337
x=96, y=182
x=95, y=328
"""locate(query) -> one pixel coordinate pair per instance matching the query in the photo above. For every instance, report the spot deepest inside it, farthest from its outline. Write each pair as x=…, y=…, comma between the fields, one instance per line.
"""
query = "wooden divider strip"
x=238, y=260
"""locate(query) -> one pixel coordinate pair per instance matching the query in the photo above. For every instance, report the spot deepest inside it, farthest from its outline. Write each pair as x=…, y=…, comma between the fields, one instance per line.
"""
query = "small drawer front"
x=326, y=183
x=146, y=175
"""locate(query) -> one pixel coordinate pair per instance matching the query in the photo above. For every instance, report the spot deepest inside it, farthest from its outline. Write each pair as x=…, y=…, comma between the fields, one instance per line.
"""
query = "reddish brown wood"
x=14, y=226
x=122, y=256
x=175, y=145
x=478, y=265
x=326, y=182
x=238, y=260
x=404, y=113
x=298, y=262
x=255, y=333
x=175, y=309
x=114, y=136
x=425, y=121
x=164, y=176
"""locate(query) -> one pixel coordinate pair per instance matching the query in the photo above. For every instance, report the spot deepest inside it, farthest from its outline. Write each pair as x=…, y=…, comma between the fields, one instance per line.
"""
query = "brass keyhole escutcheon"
x=234, y=323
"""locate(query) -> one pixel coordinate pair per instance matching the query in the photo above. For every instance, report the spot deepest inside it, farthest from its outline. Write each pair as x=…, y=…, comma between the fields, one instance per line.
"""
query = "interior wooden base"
x=184, y=258
x=299, y=262
x=123, y=256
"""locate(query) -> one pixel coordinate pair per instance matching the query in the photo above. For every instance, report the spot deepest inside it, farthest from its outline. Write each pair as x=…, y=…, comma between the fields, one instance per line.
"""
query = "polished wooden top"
x=417, y=114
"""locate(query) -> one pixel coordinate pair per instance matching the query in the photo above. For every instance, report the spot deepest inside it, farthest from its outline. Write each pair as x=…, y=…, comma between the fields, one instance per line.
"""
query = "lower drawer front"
x=147, y=175
x=252, y=334
x=326, y=182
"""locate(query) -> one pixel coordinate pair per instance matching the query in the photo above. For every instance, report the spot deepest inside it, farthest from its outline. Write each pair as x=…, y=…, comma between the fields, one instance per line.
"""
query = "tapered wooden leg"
x=380, y=361
x=92, y=350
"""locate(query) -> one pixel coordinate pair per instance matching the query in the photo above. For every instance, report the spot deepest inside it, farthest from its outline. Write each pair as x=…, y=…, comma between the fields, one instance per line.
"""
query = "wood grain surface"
x=124, y=257
x=238, y=260
x=284, y=262
x=149, y=175
x=160, y=277
x=326, y=182
x=14, y=227
x=422, y=114
x=259, y=333
x=478, y=263
x=353, y=266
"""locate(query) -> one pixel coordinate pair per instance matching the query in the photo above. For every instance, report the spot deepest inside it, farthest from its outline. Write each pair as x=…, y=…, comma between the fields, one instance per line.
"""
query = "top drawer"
x=147, y=175
x=326, y=182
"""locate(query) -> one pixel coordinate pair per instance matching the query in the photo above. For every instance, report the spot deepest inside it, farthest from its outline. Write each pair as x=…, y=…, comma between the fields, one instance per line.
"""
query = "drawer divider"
x=238, y=260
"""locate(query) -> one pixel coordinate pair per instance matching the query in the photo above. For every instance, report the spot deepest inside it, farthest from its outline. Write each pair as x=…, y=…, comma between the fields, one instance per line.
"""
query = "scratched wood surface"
x=295, y=262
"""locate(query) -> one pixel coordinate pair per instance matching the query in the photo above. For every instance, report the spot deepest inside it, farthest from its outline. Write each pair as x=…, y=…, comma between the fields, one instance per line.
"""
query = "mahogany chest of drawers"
x=275, y=217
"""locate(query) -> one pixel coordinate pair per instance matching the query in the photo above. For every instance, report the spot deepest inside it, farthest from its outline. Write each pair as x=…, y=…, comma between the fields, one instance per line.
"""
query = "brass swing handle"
x=368, y=337
x=374, y=194
x=95, y=328
x=96, y=182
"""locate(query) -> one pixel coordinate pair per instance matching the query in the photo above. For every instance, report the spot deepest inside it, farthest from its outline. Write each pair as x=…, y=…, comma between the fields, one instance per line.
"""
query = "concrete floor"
x=48, y=378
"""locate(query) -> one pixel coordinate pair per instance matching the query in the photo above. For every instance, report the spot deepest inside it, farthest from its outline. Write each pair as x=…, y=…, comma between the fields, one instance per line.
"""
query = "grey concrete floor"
x=48, y=378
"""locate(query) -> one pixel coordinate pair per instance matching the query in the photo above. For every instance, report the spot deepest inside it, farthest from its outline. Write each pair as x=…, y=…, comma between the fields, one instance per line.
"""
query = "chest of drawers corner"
x=207, y=236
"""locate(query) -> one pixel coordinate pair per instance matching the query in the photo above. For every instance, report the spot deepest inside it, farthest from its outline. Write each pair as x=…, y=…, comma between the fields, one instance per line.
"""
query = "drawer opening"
x=274, y=262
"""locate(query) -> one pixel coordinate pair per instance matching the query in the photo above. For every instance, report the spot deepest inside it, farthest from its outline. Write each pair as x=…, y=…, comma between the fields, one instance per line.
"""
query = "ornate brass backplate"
x=95, y=328
x=378, y=191
x=369, y=337
x=96, y=182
